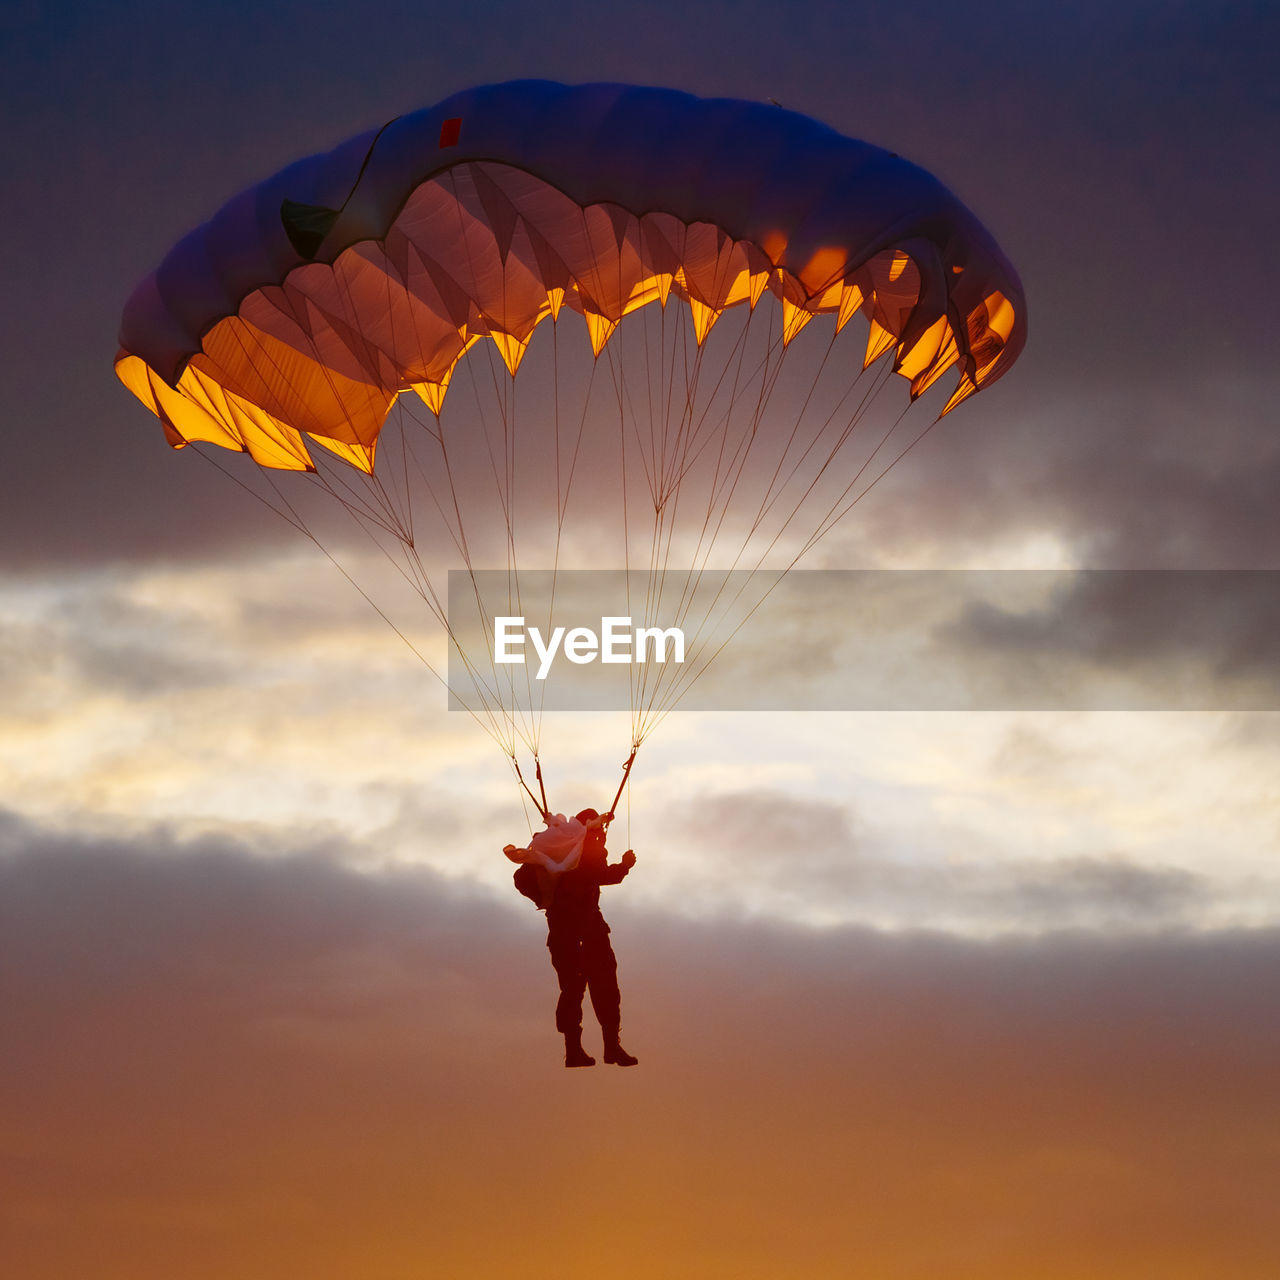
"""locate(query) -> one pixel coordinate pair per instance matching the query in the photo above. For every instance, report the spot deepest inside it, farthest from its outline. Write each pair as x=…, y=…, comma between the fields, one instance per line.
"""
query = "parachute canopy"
x=321, y=317
x=299, y=313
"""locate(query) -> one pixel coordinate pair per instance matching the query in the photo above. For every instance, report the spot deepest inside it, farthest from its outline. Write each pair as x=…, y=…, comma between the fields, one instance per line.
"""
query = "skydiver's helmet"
x=595, y=835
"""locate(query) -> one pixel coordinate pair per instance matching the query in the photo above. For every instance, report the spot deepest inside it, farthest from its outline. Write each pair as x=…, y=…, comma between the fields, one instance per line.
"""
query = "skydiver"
x=578, y=939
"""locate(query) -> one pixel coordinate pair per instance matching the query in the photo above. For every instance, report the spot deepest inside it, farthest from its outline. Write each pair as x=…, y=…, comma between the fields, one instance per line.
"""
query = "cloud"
x=1130, y=639
x=816, y=860
x=233, y=1062
x=166, y=697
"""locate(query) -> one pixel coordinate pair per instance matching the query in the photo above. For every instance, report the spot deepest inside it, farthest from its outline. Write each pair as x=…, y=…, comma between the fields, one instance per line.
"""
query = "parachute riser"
x=622, y=786
x=546, y=808
x=542, y=808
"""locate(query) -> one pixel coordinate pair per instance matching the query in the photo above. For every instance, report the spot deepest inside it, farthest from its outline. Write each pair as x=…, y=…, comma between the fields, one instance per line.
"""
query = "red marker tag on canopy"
x=449, y=132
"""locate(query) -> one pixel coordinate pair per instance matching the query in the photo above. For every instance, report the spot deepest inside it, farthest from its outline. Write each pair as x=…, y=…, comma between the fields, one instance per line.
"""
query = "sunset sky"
x=985, y=992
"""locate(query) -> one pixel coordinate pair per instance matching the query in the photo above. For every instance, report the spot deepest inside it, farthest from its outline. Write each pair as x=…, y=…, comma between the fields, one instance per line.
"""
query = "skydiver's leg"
x=567, y=960
x=601, y=968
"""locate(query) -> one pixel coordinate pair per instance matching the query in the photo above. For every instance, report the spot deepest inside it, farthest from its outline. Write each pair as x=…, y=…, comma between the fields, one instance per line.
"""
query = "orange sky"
x=218, y=1067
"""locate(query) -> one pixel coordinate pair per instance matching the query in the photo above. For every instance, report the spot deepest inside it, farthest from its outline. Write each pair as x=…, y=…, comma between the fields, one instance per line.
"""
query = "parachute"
x=374, y=319
x=556, y=848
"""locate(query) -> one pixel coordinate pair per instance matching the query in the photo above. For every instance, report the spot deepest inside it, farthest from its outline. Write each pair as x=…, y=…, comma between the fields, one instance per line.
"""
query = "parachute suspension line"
x=394, y=521
x=421, y=580
x=833, y=516
x=539, y=711
x=288, y=513
x=673, y=463
x=577, y=445
x=506, y=390
x=488, y=694
x=708, y=429
x=651, y=464
x=406, y=564
x=522, y=795
x=693, y=671
x=920, y=435
x=456, y=534
x=563, y=490
x=705, y=426
x=504, y=479
x=487, y=698
x=626, y=545
x=330, y=471
x=670, y=332
x=665, y=504
x=655, y=696
x=666, y=508
x=878, y=384
x=770, y=496
x=667, y=499
x=655, y=467
x=656, y=405
x=624, y=403
x=650, y=477
x=521, y=726
x=689, y=418
x=407, y=489
x=703, y=548
x=732, y=473
x=684, y=680
x=358, y=504
x=615, y=353
x=563, y=482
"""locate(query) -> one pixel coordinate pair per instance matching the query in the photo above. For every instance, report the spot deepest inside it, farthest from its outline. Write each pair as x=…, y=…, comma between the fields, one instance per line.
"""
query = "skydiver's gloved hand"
x=629, y=859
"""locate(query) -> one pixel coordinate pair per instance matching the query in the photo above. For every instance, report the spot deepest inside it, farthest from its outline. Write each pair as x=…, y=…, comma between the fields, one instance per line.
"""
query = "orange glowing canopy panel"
x=307, y=304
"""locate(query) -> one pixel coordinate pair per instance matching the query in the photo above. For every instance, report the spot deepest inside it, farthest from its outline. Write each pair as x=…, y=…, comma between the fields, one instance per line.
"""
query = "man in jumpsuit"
x=578, y=939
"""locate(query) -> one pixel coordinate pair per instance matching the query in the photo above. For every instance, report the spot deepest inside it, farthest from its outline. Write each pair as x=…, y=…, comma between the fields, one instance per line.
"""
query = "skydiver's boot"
x=574, y=1054
x=614, y=1052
